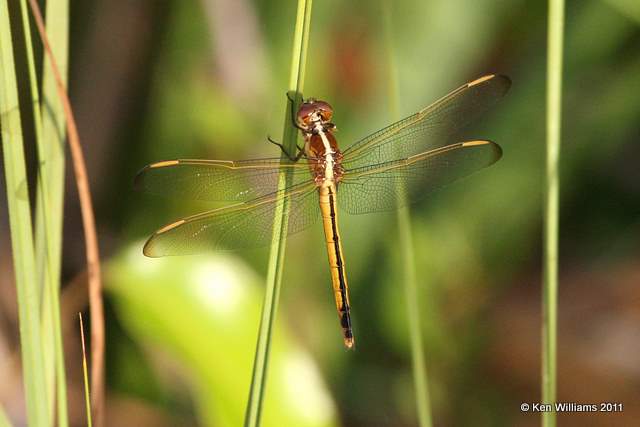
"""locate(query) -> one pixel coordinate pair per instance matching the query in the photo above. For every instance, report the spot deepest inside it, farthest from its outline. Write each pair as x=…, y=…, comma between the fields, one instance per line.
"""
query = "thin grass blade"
x=49, y=131
x=88, y=223
x=277, y=250
x=21, y=232
x=51, y=155
x=85, y=374
x=552, y=201
x=420, y=380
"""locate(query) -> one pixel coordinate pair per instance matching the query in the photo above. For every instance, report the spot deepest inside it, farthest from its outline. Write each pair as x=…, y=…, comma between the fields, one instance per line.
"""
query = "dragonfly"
x=391, y=167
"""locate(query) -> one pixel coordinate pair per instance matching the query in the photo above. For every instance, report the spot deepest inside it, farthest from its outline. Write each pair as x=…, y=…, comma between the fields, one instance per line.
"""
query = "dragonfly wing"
x=378, y=187
x=429, y=128
x=217, y=180
x=243, y=225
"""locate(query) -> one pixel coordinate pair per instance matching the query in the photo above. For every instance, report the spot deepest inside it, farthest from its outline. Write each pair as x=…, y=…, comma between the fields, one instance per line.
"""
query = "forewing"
x=386, y=186
x=431, y=127
x=217, y=180
x=243, y=225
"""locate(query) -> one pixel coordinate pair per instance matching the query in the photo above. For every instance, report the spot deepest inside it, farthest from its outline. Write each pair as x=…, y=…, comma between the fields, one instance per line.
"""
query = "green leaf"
x=202, y=311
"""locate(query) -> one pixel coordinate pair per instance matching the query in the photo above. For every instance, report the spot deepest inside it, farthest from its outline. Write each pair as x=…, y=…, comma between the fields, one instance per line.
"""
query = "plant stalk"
x=405, y=240
x=85, y=375
x=550, y=281
x=21, y=233
x=50, y=133
x=88, y=223
x=281, y=223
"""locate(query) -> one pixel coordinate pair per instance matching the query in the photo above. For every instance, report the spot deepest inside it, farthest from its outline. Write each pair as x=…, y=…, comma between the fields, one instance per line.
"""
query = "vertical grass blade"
x=278, y=243
x=85, y=374
x=21, y=233
x=88, y=223
x=550, y=279
x=42, y=232
x=51, y=155
x=49, y=131
x=405, y=239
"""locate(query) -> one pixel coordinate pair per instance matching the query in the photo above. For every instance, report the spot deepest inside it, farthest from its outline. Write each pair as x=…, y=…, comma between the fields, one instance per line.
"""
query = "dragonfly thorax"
x=321, y=148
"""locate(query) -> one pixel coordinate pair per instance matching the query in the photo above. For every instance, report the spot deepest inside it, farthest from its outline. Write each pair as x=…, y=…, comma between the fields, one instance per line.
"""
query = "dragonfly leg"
x=293, y=112
x=295, y=158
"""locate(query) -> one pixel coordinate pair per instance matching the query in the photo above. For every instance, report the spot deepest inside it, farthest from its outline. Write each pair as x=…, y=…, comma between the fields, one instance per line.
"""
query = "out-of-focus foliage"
x=207, y=79
x=203, y=312
x=477, y=242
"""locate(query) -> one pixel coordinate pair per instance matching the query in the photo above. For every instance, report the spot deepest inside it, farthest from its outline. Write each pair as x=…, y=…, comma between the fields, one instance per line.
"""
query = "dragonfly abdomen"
x=336, y=260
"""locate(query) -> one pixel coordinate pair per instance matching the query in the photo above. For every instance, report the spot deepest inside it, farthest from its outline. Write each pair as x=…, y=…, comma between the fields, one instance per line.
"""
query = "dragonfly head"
x=312, y=111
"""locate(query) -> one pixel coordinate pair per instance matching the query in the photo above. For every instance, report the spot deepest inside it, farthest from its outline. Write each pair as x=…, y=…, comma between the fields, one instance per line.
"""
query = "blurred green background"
x=157, y=80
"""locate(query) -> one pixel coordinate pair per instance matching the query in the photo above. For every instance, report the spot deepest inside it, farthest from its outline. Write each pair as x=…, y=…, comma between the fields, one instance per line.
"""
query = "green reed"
x=36, y=393
x=50, y=134
x=420, y=379
x=550, y=274
x=278, y=243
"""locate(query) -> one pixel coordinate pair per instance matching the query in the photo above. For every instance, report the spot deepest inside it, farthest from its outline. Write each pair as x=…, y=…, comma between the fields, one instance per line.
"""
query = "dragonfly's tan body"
x=329, y=177
x=322, y=150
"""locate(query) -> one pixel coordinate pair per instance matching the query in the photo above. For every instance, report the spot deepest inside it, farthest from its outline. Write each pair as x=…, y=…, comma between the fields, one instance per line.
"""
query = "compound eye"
x=324, y=109
x=304, y=112
x=326, y=115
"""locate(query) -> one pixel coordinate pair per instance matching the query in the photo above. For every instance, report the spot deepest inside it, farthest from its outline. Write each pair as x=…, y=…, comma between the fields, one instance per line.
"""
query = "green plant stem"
x=281, y=223
x=36, y=393
x=51, y=154
x=49, y=132
x=88, y=224
x=85, y=374
x=550, y=285
x=419, y=367
x=405, y=238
